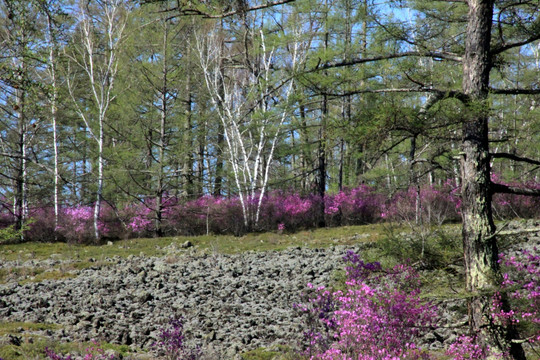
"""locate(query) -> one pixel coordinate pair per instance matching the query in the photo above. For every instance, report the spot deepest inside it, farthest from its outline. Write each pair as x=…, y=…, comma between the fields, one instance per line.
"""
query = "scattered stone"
x=186, y=245
x=230, y=303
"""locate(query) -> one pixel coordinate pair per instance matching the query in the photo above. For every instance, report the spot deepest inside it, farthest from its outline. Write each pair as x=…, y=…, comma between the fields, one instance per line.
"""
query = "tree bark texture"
x=479, y=242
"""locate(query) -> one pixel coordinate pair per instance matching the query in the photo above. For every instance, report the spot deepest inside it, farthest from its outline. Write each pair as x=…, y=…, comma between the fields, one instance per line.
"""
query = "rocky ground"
x=230, y=303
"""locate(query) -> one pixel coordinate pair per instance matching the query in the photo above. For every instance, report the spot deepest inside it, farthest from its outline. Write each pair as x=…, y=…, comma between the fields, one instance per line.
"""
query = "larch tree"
x=21, y=94
x=157, y=125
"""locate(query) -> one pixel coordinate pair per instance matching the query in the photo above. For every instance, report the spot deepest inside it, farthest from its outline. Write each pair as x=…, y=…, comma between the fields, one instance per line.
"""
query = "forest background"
x=126, y=120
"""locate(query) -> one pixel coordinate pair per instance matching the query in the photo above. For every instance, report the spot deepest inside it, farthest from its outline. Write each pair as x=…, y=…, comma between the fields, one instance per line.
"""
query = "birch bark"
x=97, y=58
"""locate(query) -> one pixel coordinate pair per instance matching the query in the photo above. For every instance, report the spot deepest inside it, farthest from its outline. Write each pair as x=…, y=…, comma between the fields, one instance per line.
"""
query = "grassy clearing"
x=66, y=259
x=279, y=353
x=13, y=328
x=224, y=243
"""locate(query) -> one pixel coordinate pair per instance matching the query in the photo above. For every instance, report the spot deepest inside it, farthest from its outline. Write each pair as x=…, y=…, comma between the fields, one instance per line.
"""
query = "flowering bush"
x=290, y=209
x=220, y=215
x=465, y=347
x=521, y=285
x=361, y=205
x=507, y=206
x=521, y=282
x=54, y=356
x=378, y=315
x=139, y=217
x=76, y=224
x=41, y=227
x=437, y=203
x=172, y=344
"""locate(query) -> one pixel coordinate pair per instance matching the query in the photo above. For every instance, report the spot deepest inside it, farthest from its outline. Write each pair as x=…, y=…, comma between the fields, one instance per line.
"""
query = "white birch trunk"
x=100, y=73
x=54, y=107
x=250, y=142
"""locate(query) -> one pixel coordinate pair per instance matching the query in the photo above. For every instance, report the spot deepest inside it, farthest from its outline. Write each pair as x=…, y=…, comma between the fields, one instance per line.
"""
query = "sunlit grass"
x=225, y=243
x=74, y=257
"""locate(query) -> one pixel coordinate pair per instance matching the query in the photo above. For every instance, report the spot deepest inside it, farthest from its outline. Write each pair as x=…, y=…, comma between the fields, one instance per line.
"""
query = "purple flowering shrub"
x=280, y=210
x=139, y=218
x=209, y=214
x=291, y=210
x=508, y=206
x=52, y=355
x=521, y=286
x=172, y=343
x=466, y=347
x=76, y=224
x=378, y=315
x=41, y=227
x=438, y=204
x=361, y=205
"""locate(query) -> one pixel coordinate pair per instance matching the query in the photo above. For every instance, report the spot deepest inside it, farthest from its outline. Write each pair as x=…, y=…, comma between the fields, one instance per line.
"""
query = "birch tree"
x=94, y=52
x=52, y=73
x=251, y=100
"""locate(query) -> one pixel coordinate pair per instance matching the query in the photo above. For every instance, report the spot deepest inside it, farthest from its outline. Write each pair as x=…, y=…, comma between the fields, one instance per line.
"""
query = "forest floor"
x=30, y=270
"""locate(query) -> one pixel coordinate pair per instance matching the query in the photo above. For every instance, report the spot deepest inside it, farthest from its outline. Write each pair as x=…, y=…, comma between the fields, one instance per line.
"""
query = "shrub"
x=438, y=204
x=465, y=347
x=361, y=205
x=172, y=345
x=521, y=286
x=378, y=315
x=42, y=228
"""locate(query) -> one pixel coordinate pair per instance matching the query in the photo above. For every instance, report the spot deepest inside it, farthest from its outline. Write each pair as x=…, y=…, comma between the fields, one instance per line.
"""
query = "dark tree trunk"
x=479, y=243
x=188, y=132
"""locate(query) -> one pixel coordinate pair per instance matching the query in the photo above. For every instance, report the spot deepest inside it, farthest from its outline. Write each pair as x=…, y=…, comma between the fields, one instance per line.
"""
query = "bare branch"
x=509, y=189
x=184, y=11
x=515, y=91
x=503, y=47
x=363, y=60
x=439, y=94
x=517, y=232
x=514, y=157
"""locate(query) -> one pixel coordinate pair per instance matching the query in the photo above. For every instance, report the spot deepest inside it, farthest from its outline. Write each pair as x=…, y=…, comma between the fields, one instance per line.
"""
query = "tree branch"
x=356, y=61
x=514, y=157
x=503, y=47
x=518, y=232
x=439, y=93
x=508, y=189
x=515, y=91
x=207, y=15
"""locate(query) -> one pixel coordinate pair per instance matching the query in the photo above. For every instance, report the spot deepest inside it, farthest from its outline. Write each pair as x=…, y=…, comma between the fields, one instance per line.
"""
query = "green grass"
x=34, y=342
x=85, y=256
x=223, y=243
x=278, y=353
x=13, y=328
